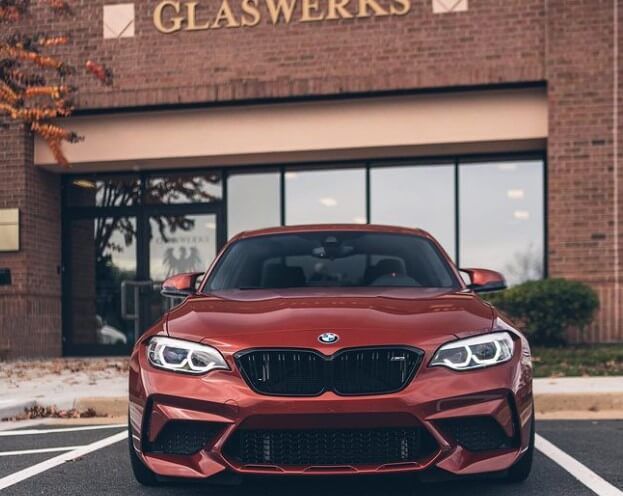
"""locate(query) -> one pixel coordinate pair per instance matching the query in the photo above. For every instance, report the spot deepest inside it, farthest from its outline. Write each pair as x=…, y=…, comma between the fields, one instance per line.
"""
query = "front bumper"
x=434, y=397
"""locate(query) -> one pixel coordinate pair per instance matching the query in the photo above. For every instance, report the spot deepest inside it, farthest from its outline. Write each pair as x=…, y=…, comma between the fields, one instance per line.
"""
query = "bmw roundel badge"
x=328, y=338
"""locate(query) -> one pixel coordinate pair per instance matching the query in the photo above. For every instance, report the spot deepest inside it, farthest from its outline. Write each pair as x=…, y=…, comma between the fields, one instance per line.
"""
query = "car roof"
x=332, y=227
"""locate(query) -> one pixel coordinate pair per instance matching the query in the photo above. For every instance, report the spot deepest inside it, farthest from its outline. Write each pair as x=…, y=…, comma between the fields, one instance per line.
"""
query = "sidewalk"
x=101, y=384
x=576, y=385
x=577, y=397
x=64, y=383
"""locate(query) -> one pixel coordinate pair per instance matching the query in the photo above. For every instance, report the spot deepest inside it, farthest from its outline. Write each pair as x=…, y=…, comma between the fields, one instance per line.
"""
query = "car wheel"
x=520, y=471
x=141, y=473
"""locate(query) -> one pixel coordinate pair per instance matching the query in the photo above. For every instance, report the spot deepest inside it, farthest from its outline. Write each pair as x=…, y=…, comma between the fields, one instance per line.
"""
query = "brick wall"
x=30, y=307
x=581, y=171
x=494, y=41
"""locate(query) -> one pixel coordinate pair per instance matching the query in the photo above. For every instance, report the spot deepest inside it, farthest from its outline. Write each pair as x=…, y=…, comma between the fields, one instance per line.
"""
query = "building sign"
x=171, y=16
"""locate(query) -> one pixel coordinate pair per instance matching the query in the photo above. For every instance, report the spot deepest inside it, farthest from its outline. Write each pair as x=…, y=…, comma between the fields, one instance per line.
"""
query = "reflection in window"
x=253, y=202
x=113, y=191
x=326, y=196
x=501, y=218
x=184, y=188
x=181, y=243
x=416, y=196
x=331, y=259
x=102, y=256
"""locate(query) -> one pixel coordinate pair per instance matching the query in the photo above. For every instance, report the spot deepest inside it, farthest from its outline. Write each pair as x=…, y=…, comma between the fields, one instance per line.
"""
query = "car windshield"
x=331, y=259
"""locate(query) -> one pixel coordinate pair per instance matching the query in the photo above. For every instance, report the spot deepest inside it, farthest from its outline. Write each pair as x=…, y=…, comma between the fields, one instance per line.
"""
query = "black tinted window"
x=331, y=259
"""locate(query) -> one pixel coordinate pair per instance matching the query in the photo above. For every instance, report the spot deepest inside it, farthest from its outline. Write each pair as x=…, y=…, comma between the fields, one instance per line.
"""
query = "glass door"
x=123, y=235
x=116, y=266
x=102, y=257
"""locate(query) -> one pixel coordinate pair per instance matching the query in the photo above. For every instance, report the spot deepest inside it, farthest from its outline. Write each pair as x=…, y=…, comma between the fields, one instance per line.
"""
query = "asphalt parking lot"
x=33, y=461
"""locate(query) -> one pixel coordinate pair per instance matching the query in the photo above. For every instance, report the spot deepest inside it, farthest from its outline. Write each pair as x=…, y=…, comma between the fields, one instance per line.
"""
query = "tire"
x=141, y=473
x=520, y=471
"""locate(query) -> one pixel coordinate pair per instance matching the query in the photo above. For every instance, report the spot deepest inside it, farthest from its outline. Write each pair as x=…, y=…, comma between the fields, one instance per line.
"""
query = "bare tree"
x=160, y=191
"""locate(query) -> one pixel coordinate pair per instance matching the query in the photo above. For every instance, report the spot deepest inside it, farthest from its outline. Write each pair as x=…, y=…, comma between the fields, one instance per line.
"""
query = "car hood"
x=241, y=319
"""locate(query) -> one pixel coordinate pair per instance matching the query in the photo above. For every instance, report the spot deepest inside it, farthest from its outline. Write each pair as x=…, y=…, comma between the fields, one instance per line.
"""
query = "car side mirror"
x=484, y=280
x=181, y=285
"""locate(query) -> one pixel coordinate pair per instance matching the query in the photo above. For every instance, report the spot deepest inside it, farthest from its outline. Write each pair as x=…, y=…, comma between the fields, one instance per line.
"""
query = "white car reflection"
x=107, y=334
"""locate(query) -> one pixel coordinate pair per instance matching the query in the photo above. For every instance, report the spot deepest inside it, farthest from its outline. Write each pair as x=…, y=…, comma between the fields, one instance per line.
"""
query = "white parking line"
x=40, y=450
x=581, y=472
x=26, y=473
x=30, y=432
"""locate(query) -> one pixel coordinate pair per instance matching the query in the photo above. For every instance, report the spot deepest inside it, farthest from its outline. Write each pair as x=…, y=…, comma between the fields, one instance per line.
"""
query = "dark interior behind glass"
x=331, y=259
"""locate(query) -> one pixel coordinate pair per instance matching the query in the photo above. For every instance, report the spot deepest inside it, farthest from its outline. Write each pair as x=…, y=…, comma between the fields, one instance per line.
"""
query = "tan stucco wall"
x=416, y=124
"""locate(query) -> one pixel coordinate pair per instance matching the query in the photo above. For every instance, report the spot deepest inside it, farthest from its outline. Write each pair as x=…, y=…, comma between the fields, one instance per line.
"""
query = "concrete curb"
x=102, y=406
x=108, y=407
x=580, y=402
x=559, y=405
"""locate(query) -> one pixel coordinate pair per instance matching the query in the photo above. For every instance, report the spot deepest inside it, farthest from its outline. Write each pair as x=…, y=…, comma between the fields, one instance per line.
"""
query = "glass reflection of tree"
x=105, y=228
x=159, y=191
x=182, y=189
x=526, y=265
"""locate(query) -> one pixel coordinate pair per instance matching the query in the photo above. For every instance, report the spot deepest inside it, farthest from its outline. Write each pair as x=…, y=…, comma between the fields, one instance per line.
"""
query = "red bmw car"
x=331, y=350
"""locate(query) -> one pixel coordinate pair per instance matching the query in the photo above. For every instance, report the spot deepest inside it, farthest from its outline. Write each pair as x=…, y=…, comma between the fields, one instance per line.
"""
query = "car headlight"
x=184, y=356
x=474, y=353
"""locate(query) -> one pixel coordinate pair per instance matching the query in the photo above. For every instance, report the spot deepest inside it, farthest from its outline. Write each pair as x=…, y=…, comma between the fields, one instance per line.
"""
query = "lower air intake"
x=181, y=437
x=477, y=433
x=329, y=447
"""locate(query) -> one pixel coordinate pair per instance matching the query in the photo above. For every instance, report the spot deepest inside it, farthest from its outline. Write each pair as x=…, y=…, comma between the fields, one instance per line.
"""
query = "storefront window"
x=102, y=256
x=501, y=218
x=253, y=201
x=326, y=196
x=184, y=188
x=416, y=196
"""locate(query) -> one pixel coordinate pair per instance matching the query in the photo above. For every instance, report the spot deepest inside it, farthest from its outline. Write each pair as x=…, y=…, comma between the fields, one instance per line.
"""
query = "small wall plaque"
x=9, y=229
x=449, y=6
x=5, y=277
x=119, y=21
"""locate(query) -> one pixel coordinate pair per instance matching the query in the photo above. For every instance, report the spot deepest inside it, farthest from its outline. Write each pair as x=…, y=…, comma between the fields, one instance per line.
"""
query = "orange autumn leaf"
x=100, y=71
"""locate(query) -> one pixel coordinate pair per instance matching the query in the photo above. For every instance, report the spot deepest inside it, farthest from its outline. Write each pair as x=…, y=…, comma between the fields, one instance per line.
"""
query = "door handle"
x=133, y=289
x=125, y=314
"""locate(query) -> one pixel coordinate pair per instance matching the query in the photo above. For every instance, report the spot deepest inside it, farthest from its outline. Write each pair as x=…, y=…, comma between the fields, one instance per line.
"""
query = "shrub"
x=547, y=309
